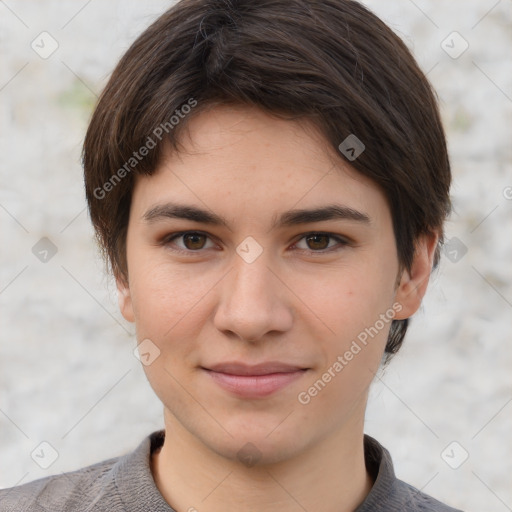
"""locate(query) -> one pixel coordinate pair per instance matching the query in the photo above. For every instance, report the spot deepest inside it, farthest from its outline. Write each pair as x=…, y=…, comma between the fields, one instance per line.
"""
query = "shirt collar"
x=138, y=491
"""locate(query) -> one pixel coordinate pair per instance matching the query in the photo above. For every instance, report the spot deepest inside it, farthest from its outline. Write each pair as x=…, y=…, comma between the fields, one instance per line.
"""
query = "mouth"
x=254, y=381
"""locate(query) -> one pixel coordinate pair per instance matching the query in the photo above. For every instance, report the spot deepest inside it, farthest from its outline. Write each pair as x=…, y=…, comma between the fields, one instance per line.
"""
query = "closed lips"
x=241, y=369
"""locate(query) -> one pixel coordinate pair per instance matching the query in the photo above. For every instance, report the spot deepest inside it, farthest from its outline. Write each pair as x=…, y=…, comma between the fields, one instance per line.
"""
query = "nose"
x=253, y=302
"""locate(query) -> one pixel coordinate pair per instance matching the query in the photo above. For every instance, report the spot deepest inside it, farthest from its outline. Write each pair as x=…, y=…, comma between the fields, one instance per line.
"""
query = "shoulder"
x=113, y=485
x=388, y=492
x=67, y=492
x=414, y=500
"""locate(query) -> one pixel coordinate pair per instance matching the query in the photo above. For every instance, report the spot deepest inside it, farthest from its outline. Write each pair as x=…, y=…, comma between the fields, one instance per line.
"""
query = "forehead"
x=245, y=160
x=227, y=125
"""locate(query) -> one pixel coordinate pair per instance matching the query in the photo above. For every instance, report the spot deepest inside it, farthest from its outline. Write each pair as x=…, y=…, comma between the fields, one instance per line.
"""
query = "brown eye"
x=188, y=242
x=318, y=241
x=321, y=243
x=194, y=241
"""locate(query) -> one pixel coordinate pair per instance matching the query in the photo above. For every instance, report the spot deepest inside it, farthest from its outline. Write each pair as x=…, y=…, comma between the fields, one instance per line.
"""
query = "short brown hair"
x=329, y=61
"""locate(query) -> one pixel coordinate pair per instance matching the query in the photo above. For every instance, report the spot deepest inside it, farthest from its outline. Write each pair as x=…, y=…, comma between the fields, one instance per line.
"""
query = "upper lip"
x=236, y=368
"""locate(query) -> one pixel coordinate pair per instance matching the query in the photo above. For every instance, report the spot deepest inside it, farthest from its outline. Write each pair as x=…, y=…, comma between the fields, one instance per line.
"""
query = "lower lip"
x=254, y=386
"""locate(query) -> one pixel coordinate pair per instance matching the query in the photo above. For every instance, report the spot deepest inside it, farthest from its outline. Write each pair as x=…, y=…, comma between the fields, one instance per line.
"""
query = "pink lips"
x=254, y=381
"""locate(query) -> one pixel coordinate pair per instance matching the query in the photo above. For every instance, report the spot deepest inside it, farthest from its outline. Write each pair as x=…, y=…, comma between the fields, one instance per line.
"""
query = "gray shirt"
x=125, y=484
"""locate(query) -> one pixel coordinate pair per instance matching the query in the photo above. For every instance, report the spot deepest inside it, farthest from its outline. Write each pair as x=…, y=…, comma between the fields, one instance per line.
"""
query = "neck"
x=328, y=477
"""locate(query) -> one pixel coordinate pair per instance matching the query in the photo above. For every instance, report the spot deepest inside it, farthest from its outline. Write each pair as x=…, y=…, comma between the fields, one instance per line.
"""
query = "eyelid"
x=167, y=239
x=341, y=240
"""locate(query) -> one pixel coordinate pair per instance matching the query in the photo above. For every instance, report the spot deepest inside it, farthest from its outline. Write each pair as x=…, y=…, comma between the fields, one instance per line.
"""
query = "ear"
x=413, y=282
x=125, y=299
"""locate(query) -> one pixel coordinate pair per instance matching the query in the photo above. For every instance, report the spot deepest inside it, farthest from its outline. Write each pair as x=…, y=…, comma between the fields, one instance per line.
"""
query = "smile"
x=256, y=385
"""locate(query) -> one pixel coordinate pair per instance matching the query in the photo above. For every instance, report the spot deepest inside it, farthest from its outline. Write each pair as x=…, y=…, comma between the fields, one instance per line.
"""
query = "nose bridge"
x=250, y=303
x=251, y=278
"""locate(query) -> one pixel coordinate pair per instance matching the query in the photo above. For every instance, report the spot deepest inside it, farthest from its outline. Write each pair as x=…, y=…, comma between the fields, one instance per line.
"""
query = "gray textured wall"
x=67, y=372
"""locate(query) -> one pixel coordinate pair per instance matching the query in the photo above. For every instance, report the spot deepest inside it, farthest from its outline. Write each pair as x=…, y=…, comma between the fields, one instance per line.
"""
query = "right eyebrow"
x=176, y=211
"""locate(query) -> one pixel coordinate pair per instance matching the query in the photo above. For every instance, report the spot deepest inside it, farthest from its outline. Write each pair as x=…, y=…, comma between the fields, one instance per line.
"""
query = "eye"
x=190, y=241
x=195, y=241
x=321, y=242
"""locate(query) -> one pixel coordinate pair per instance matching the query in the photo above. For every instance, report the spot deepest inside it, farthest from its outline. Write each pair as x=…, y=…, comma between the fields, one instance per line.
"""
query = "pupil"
x=194, y=241
x=317, y=241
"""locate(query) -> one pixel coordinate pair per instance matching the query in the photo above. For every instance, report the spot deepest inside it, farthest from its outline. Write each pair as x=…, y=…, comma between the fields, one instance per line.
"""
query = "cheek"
x=165, y=296
x=359, y=314
x=357, y=305
x=170, y=308
x=350, y=300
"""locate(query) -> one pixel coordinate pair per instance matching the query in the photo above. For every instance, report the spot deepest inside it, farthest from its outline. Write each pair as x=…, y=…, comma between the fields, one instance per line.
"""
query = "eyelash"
x=342, y=242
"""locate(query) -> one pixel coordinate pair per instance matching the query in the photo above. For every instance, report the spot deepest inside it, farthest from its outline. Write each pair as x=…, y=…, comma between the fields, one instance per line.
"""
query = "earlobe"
x=413, y=282
x=125, y=300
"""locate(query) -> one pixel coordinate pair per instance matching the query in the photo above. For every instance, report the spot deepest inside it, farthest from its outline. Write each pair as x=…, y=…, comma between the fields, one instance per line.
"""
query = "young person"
x=268, y=181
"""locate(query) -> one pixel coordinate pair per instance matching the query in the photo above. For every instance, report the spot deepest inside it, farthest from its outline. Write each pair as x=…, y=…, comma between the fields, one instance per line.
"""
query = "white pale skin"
x=204, y=304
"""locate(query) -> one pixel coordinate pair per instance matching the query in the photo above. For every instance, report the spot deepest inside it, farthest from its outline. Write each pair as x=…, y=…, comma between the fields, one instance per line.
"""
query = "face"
x=263, y=271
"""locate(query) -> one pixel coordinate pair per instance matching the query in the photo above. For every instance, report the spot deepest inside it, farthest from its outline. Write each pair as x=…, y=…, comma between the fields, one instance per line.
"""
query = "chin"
x=254, y=445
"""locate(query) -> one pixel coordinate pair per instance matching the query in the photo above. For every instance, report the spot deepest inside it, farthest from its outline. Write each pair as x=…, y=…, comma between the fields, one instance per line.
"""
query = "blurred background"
x=68, y=375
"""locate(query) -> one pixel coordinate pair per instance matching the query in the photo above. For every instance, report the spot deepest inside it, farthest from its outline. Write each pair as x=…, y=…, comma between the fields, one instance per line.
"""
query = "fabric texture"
x=125, y=484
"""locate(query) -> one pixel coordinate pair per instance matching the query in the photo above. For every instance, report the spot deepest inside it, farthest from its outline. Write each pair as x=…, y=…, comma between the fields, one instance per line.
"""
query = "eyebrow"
x=289, y=218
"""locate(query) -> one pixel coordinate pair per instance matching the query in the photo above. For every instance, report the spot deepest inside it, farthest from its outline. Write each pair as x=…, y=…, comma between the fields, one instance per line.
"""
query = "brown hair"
x=330, y=61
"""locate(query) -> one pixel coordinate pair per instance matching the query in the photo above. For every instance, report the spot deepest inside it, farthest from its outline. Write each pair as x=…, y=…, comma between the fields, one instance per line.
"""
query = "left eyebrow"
x=289, y=218
x=330, y=212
